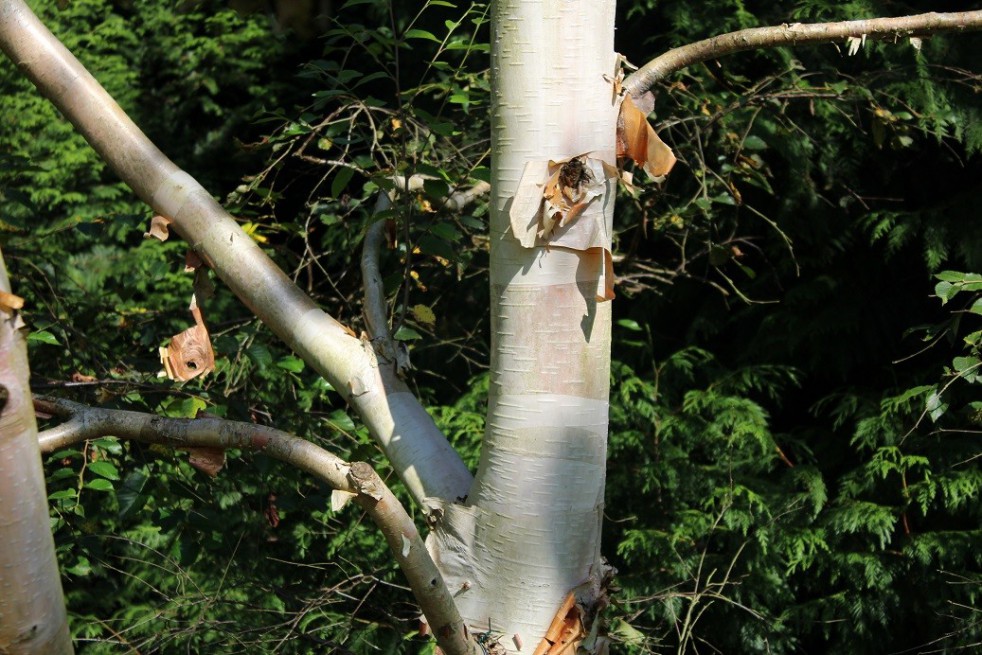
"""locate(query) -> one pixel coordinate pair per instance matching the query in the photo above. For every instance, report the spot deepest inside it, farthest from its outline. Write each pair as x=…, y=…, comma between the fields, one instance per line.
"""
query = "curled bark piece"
x=639, y=141
x=189, y=353
x=565, y=632
x=159, y=228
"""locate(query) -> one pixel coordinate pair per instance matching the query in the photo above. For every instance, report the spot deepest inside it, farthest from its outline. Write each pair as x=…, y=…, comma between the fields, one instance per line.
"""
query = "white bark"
x=529, y=532
x=33, y=620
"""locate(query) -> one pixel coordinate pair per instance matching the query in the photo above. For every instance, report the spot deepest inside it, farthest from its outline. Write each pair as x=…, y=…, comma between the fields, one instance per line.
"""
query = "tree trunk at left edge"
x=33, y=620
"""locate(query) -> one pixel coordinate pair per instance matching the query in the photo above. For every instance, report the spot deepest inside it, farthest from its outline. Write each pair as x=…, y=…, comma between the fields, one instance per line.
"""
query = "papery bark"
x=33, y=620
x=529, y=532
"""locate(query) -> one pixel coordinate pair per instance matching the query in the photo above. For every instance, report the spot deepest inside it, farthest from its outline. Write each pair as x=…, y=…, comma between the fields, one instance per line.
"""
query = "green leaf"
x=291, y=363
x=433, y=245
x=629, y=324
x=406, y=333
x=42, y=336
x=421, y=34
x=471, y=222
x=81, y=568
x=341, y=180
x=934, y=407
x=99, y=484
x=104, y=469
x=754, y=143
x=260, y=355
x=109, y=444
x=130, y=494
x=340, y=419
x=967, y=367
x=436, y=189
x=62, y=494
x=945, y=291
x=445, y=231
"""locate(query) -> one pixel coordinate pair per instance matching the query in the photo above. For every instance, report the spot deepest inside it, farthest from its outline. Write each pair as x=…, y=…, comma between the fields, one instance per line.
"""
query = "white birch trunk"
x=529, y=532
x=32, y=608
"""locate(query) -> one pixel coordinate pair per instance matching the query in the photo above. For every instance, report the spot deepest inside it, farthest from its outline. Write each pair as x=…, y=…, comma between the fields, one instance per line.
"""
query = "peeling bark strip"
x=796, y=34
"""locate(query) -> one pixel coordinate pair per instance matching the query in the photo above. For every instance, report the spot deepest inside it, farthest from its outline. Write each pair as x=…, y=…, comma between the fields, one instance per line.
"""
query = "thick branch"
x=371, y=493
x=432, y=471
x=795, y=34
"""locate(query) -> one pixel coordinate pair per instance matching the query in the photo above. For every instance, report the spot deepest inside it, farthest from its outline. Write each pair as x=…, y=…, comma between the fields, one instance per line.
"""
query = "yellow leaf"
x=252, y=229
x=424, y=315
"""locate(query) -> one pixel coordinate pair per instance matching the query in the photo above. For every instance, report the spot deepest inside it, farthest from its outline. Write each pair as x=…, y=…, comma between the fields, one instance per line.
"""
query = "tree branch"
x=432, y=471
x=358, y=478
x=375, y=306
x=754, y=38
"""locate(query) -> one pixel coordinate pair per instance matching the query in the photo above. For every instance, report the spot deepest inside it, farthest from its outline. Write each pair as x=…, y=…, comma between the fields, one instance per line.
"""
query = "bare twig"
x=358, y=478
x=754, y=38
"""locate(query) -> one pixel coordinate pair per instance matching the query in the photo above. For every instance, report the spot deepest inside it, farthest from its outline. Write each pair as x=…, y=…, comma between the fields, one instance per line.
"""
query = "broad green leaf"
x=99, y=484
x=42, y=336
x=130, y=495
x=81, y=568
x=341, y=179
x=62, y=494
x=422, y=34
x=754, y=143
x=291, y=363
x=260, y=355
x=406, y=333
x=104, y=469
x=934, y=407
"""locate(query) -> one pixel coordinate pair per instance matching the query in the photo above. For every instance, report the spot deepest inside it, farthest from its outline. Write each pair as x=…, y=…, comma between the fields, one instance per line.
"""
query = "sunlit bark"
x=530, y=529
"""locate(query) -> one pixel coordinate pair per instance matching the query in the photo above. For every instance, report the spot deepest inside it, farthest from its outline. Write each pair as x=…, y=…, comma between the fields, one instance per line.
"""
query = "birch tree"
x=513, y=560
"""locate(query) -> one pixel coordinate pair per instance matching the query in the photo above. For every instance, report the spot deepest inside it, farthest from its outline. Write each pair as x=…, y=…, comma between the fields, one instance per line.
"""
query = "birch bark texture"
x=33, y=620
x=529, y=532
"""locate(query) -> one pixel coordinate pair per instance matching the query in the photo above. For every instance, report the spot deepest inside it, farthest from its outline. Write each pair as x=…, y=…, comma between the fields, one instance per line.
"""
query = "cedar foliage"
x=794, y=458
